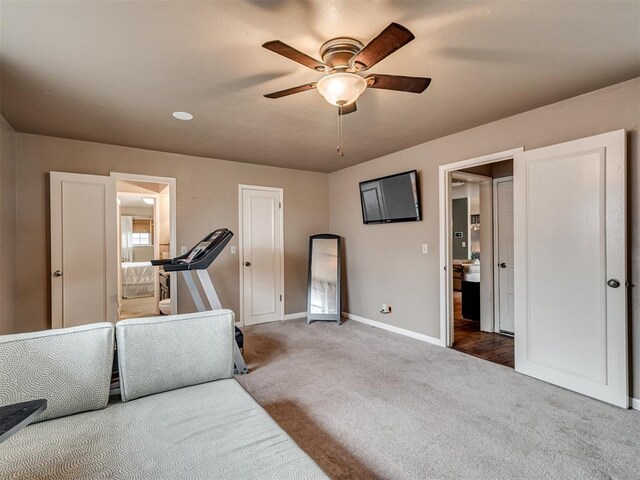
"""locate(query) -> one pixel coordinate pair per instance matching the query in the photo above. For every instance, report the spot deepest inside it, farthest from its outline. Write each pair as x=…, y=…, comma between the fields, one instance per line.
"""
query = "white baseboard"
x=291, y=316
x=394, y=329
x=633, y=402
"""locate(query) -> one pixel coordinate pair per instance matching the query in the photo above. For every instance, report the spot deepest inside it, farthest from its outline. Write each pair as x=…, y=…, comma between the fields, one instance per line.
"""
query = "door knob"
x=502, y=265
x=247, y=264
x=613, y=283
x=57, y=273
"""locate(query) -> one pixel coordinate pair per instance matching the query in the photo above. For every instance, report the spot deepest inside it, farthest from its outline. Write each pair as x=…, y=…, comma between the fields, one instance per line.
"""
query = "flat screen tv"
x=391, y=199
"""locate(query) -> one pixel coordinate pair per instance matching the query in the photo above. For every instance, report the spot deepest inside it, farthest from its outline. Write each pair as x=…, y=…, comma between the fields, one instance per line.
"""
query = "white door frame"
x=241, y=188
x=173, y=248
x=446, y=279
x=496, y=241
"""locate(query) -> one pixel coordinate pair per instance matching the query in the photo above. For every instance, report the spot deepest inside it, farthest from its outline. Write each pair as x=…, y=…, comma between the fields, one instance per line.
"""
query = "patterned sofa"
x=181, y=414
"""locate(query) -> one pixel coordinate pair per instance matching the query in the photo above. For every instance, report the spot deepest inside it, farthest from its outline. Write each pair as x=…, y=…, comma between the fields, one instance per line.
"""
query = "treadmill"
x=198, y=260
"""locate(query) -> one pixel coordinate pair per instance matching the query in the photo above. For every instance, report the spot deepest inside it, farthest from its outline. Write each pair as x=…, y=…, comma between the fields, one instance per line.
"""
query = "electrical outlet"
x=385, y=308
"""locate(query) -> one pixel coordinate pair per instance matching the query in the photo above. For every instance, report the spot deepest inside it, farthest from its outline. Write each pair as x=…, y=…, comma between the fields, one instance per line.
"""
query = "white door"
x=570, y=255
x=503, y=190
x=262, y=244
x=83, y=250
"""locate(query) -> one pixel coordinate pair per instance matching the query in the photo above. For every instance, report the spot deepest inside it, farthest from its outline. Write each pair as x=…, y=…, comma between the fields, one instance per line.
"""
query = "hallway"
x=469, y=339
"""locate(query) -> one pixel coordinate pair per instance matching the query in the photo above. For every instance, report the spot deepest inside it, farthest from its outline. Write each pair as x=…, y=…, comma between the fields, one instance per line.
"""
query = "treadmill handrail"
x=161, y=262
x=203, y=259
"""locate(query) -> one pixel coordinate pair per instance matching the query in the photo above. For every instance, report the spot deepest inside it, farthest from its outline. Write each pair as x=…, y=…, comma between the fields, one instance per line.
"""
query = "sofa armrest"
x=164, y=353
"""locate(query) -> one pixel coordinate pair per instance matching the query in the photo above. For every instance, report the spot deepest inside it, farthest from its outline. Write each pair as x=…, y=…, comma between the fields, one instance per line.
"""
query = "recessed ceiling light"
x=182, y=115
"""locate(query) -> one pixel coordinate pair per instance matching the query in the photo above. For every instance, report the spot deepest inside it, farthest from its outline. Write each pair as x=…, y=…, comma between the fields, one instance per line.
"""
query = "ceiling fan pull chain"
x=340, y=151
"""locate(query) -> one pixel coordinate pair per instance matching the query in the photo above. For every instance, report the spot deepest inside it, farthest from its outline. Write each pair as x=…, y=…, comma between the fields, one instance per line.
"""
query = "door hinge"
x=280, y=297
x=279, y=204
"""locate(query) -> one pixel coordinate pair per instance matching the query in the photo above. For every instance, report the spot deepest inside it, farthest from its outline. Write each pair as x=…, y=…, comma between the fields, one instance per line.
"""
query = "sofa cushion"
x=212, y=430
x=70, y=367
x=164, y=353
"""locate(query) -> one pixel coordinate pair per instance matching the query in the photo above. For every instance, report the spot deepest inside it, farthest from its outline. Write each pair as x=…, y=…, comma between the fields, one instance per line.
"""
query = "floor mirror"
x=323, y=299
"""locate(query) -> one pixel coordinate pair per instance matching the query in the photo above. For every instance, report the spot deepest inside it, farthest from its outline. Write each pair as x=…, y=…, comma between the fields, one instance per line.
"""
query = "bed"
x=471, y=291
x=138, y=279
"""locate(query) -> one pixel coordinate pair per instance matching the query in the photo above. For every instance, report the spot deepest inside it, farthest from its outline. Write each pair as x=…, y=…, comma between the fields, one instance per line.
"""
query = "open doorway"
x=146, y=231
x=477, y=244
x=491, y=339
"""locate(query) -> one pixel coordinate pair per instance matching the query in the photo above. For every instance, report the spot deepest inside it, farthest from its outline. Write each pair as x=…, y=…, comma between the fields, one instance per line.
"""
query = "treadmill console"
x=200, y=256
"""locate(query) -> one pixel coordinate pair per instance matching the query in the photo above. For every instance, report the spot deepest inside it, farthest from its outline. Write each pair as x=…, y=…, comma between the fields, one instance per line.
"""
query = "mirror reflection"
x=324, y=276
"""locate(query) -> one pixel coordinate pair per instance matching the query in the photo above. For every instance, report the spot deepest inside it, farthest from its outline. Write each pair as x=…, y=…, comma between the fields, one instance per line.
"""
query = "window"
x=141, y=238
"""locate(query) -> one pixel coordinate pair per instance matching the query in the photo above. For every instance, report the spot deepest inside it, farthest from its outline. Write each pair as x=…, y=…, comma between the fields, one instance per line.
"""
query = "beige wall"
x=384, y=263
x=146, y=212
x=7, y=228
x=207, y=198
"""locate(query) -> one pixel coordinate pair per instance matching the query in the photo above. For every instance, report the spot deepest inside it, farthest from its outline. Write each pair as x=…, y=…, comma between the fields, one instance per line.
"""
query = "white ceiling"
x=137, y=202
x=114, y=72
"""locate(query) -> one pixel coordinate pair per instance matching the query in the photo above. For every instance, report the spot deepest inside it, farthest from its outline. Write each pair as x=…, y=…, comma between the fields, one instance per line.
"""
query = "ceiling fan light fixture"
x=341, y=88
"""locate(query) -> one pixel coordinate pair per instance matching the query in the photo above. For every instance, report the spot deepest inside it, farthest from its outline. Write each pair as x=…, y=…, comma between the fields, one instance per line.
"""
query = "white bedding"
x=472, y=277
x=138, y=279
x=471, y=272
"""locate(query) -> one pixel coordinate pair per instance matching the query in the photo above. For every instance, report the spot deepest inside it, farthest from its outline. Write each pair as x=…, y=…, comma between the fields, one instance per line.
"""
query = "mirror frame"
x=325, y=316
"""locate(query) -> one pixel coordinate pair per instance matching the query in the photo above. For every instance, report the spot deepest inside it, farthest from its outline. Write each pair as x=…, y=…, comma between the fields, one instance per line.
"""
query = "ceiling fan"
x=343, y=58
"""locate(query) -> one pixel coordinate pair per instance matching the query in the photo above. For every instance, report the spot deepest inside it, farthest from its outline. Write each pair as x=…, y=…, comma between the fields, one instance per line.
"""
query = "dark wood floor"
x=468, y=338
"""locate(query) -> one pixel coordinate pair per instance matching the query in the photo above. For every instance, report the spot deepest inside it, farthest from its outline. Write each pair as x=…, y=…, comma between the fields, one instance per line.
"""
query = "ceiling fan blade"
x=390, y=39
x=291, y=53
x=399, y=83
x=347, y=109
x=291, y=91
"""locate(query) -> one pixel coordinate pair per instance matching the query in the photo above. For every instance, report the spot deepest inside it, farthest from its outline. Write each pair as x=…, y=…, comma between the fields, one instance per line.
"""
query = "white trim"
x=635, y=403
x=482, y=160
x=496, y=242
x=242, y=187
x=391, y=328
x=240, y=320
x=293, y=316
x=173, y=227
x=486, y=256
x=444, y=176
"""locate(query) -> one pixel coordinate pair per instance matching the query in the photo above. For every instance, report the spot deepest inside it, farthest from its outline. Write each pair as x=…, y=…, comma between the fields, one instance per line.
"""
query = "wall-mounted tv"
x=394, y=198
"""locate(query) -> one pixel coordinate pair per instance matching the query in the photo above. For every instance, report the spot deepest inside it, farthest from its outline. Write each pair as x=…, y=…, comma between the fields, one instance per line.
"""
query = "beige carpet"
x=366, y=403
x=137, y=307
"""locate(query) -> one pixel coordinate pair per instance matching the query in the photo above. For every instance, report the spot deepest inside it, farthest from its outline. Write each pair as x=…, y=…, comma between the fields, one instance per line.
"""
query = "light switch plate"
x=425, y=248
x=183, y=249
x=233, y=249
